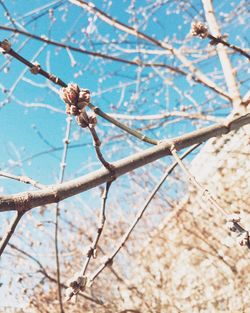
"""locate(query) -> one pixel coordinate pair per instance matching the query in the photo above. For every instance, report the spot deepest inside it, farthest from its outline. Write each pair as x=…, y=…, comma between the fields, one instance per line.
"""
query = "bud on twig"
x=5, y=45
x=199, y=29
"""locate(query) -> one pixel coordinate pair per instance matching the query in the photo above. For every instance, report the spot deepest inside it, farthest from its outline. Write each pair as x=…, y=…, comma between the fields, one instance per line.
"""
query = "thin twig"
x=102, y=218
x=23, y=179
x=197, y=76
x=8, y=14
x=111, y=257
x=97, y=144
x=63, y=165
x=207, y=196
x=216, y=40
x=44, y=272
x=92, y=251
x=92, y=53
x=56, y=80
x=10, y=231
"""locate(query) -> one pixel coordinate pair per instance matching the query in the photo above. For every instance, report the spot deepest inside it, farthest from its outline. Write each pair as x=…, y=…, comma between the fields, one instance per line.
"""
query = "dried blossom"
x=199, y=29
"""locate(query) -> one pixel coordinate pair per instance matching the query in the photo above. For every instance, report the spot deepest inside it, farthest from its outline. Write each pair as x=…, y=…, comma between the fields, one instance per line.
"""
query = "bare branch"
x=92, y=53
x=80, y=282
x=126, y=236
x=150, y=117
x=223, y=56
x=23, y=179
x=63, y=165
x=56, y=193
x=36, y=68
x=198, y=76
x=10, y=231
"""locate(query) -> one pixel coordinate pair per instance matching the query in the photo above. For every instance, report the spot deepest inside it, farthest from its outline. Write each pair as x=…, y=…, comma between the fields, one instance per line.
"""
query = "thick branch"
x=222, y=53
x=56, y=193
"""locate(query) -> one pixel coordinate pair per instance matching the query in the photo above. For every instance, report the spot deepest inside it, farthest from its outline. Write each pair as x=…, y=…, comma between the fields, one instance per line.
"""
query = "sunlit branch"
x=75, y=286
x=226, y=65
x=56, y=193
x=197, y=75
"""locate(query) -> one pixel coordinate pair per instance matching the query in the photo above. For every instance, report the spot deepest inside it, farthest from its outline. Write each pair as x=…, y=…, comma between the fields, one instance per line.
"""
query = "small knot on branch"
x=198, y=29
x=78, y=284
x=216, y=40
x=242, y=235
x=5, y=46
x=35, y=69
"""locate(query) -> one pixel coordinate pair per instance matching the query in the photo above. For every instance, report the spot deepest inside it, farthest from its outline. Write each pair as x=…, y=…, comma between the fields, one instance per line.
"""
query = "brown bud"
x=35, y=69
x=84, y=98
x=82, y=121
x=70, y=94
x=92, y=119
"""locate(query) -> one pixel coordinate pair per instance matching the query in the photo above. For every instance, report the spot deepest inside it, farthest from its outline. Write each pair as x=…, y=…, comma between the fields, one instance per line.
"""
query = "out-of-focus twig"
x=232, y=220
x=80, y=282
x=63, y=165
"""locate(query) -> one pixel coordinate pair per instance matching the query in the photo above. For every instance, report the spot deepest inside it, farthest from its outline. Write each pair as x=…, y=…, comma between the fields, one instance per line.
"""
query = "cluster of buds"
x=199, y=29
x=79, y=283
x=76, y=100
x=233, y=225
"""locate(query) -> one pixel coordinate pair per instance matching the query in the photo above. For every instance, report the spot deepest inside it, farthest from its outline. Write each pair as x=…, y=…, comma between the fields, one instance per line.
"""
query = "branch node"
x=5, y=45
x=35, y=69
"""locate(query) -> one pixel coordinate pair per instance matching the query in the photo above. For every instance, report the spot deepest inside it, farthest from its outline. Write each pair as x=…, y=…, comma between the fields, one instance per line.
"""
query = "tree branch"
x=197, y=75
x=126, y=236
x=222, y=53
x=55, y=193
x=10, y=231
